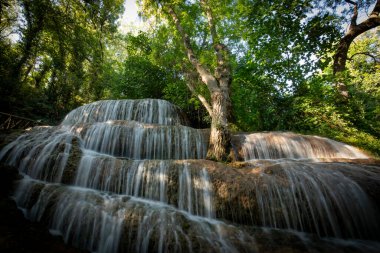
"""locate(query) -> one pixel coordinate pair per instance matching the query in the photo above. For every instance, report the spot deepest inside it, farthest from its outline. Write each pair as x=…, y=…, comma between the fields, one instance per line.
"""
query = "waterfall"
x=95, y=221
x=153, y=111
x=130, y=176
x=142, y=141
x=41, y=154
x=276, y=145
x=318, y=198
x=194, y=193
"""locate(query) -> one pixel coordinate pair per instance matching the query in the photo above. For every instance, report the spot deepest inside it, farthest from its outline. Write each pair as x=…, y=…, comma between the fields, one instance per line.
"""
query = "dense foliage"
x=53, y=54
x=56, y=55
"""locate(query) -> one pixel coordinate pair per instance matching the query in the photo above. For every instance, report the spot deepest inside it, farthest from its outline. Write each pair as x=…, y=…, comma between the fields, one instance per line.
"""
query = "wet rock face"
x=127, y=176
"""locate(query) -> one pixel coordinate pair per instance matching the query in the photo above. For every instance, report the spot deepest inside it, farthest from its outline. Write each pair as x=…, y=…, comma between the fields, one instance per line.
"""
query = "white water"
x=95, y=221
x=85, y=218
x=129, y=192
x=140, y=141
x=42, y=154
x=145, y=110
x=316, y=197
x=195, y=193
x=150, y=179
x=276, y=145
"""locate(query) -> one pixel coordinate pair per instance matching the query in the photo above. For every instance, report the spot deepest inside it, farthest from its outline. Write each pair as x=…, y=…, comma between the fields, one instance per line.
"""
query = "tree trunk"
x=340, y=57
x=220, y=138
x=354, y=30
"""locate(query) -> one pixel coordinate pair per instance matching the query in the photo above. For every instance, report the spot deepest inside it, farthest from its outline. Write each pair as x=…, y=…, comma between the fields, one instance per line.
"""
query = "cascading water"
x=317, y=198
x=142, y=141
x=112, y=178
x=145, y=111
x=276, y=145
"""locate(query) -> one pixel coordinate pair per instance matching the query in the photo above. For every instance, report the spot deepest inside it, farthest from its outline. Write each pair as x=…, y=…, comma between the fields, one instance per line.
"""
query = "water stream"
x=128, y=176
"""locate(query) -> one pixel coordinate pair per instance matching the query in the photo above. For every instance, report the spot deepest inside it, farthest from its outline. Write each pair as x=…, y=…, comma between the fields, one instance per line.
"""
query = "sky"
x=130, y=20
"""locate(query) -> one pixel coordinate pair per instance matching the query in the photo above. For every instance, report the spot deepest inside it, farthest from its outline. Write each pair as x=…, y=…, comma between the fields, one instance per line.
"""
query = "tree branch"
x=371, y=22
x=205, y=74
x=222, y=54
x=374, y=58
x=351, y=2
x=201, y=98
x=211, y=24
x=354, y=17
x=354, y=31
x=376, y=10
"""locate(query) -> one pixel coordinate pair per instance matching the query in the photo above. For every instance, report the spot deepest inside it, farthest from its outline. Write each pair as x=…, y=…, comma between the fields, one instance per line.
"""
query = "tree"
x=217, y=83
x=58, y=55
x=363, y=82
x=158, y=53
x=354, y=30
x=141, y=79
x=286, y=43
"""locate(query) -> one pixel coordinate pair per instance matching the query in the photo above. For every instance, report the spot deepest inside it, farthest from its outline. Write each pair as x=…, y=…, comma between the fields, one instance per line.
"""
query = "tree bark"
x=220, y=137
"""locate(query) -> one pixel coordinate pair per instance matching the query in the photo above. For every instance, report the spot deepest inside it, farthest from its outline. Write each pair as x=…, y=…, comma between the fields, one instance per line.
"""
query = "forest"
x=306, y=66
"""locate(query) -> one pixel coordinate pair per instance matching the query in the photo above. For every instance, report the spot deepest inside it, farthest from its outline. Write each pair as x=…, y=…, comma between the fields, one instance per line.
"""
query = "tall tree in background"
x=217, y=83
